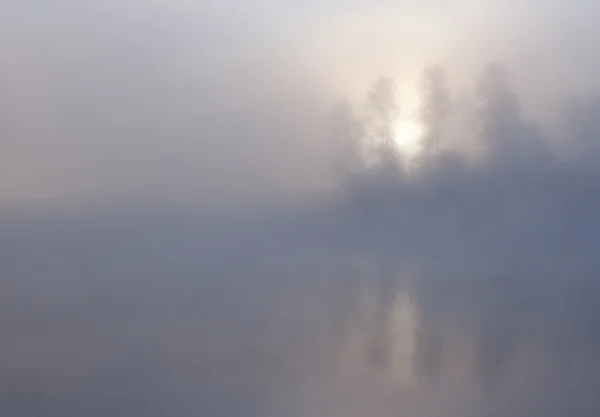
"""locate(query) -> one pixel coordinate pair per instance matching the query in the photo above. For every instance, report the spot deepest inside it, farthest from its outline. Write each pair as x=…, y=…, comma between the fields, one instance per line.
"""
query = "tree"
x=500, y=118
x=507, y=134
x=434, y=109
x=382, y=112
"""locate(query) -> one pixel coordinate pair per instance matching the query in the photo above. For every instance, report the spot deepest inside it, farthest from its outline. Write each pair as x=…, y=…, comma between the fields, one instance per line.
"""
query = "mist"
x=337, y=208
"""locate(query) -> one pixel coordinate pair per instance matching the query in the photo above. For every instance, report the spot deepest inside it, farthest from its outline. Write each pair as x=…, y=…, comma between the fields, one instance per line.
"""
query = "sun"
x=408, y=137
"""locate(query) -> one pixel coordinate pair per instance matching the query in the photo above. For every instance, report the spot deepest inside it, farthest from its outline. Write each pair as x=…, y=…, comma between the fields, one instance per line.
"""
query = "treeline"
x=363, y=136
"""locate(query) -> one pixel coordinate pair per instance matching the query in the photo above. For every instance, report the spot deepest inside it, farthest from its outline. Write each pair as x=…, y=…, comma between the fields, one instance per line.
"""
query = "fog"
x=336, y=208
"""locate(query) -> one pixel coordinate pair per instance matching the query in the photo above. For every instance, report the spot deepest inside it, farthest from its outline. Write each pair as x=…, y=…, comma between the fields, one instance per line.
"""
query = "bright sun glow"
x=408, y=132
x=408, y=137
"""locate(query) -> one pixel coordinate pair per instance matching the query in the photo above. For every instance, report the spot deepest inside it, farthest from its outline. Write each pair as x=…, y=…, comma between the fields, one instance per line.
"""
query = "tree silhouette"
x=434, y=109
x=382, y=113
x=499, y=111
x=383, y=110
x=503, y=128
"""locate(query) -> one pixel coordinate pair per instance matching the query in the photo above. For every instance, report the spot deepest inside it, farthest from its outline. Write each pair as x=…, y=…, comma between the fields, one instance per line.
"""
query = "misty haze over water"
x=336, y=208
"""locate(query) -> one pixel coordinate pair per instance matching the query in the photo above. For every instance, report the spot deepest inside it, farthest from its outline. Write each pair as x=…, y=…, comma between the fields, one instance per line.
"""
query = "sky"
x=196, y=218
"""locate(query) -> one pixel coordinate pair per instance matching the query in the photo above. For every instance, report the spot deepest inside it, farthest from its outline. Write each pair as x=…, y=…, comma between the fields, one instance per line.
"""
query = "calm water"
x=341, y=339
